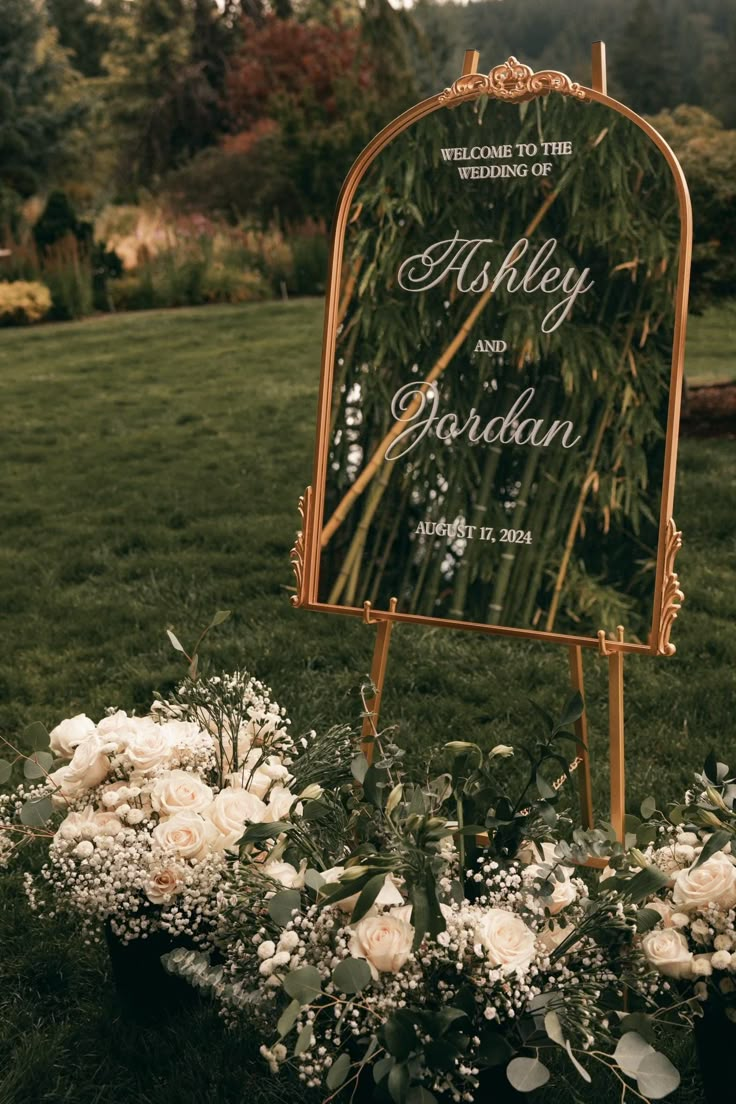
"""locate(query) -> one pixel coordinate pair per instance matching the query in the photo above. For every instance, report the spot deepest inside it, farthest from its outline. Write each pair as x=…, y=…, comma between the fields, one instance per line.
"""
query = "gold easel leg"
x=378, y=675
x=581, y=731
x=600, y=83
x=616, y=740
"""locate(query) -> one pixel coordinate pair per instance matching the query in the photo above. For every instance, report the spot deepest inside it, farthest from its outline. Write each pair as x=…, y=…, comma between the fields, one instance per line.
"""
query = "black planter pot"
x=145, y=991
x=715, y=1043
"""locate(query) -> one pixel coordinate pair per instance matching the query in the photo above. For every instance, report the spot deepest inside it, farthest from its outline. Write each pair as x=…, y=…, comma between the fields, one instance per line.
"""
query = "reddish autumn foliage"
x=285, y=62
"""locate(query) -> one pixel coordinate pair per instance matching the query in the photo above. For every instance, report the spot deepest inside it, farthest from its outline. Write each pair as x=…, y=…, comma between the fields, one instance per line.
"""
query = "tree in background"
x=304, y=94
x=42, y=105
x=707, y=153
x=165, y=66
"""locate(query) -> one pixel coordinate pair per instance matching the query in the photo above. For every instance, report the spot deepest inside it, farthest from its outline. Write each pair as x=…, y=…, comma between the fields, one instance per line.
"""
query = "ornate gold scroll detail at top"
x=297, y=554
x=672, y=596
x=514, y=82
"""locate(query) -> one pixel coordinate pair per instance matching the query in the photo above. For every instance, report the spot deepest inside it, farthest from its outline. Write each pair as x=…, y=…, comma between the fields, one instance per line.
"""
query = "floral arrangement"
x=419, y=938
x=690, y=917
x=143, y=815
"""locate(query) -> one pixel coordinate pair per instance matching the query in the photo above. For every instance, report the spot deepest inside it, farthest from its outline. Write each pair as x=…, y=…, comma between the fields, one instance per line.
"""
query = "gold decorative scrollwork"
x=513, y=82
x=672, y=596
x=297, y=554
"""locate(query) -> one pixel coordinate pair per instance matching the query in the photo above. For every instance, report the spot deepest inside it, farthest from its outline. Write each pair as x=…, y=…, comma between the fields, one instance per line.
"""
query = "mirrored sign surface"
x=502, y=371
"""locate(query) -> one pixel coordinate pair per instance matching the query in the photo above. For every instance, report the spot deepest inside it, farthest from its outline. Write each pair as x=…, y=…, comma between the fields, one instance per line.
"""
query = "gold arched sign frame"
x=510, y=82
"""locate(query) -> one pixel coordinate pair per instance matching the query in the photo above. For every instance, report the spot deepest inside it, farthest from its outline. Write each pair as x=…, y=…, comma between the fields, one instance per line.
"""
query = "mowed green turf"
x=150, y=470
x=711, y=350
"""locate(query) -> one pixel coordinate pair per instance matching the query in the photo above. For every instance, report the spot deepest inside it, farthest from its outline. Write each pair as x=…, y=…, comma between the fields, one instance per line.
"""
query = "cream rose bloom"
x=564, y=892
x=550, y=938
x=712, y=883
x=70, y=734
x=176, y=790
x=383, y=941
x=163, y=884
x=506, y=939
x=89, y=766
x=668, y=952
x=187, y=833
x=148, y=745
x=231, y=811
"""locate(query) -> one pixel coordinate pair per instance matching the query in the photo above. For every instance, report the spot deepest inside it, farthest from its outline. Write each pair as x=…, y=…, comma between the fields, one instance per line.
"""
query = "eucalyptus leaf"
x=282, y=906
x=288, y=1018
x=304, y=984
x=351, y=975
x=36, y=736
x=399, y=1034
x=6, y=770
x=304, y=1040
x=648, y=807
x=35, y=813
x=630, y=1052
x=553, y=1028
x=656, y=1076
x=527, y=1074
x=38, y=764
x=338, y=1072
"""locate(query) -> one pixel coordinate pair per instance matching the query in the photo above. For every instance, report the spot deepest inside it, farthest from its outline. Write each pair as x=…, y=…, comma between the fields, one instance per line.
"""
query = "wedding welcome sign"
x=502, y=370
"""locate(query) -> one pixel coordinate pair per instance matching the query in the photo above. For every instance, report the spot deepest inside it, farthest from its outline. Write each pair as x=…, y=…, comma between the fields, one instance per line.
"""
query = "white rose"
x=564, y=892
x=668, y=952
x=70, y=734
x=88, y=767
x=231, y=811
x=149, y=745
x=176, y=790
x=385, y=942
x=285, y=873
x=163, y=884
x=712, y=883
x=506, y=939
x=187, y=833
x=280, y=801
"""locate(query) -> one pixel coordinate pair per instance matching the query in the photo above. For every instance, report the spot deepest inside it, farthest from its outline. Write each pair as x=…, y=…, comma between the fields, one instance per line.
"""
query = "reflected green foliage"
x=591, y=509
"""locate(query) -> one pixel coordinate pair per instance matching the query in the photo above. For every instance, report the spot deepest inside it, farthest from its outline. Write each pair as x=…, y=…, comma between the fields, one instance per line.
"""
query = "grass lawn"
x=711, y=350
x=151, y=466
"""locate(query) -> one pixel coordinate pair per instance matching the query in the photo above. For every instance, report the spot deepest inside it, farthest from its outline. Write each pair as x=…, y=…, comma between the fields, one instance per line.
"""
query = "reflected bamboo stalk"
x=378, y=457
